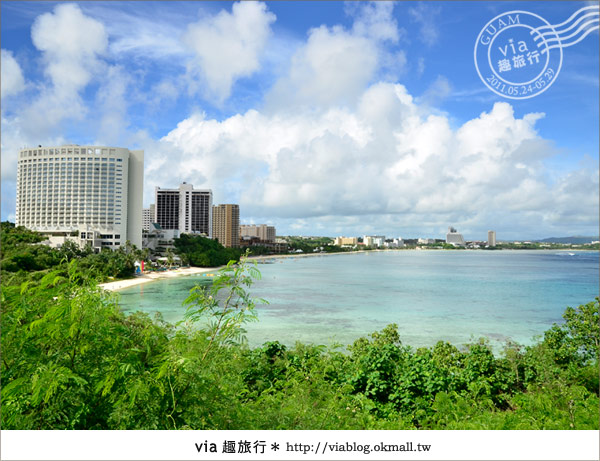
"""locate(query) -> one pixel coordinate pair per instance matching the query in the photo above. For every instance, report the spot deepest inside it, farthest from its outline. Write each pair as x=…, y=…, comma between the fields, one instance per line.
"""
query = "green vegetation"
x=545, y=246
x=72, y=360
x=22, y=257
x=313, y=245
x=204, y=252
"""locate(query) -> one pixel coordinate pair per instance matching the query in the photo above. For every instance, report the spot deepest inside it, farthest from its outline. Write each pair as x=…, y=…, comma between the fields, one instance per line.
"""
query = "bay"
x=455, y=296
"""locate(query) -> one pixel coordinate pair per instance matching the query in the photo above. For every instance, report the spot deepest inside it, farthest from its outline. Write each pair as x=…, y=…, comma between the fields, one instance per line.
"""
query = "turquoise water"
x=455, y=296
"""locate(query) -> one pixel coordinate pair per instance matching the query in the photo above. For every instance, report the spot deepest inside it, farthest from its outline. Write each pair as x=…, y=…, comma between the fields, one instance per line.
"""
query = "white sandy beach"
x=151, y=276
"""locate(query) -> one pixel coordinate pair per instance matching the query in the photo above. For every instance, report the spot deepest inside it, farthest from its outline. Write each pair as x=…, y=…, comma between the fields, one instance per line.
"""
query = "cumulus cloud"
x=331, y=68
x=227, y=47
x=337, y=147
x=12, y=80
x=72, y=45
x=336, y=63
x=384, y=158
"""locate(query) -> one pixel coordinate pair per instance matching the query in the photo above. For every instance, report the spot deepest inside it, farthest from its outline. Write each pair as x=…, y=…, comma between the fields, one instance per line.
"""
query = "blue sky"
x=322, y=118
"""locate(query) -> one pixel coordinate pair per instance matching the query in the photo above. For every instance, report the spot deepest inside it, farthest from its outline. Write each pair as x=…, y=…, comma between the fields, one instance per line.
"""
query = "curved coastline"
x=180, y=272
x=153, y=276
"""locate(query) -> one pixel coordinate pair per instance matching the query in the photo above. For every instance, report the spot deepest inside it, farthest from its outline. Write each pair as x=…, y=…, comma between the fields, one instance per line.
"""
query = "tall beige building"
x=226, y=224
x=262, y=232
x=339, y=241
x=89, y=194
x=492, y=238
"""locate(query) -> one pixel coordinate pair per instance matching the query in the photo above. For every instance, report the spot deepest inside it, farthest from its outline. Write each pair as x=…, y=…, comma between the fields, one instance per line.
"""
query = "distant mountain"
x=577, y=240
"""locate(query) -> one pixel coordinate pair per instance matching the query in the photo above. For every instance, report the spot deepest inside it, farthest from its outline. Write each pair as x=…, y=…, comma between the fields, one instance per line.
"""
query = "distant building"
x=423, y=241
x=395, y=243
x=87, y=194
x=492, y=238
x=226, y=224
x=374, y=240
x=148, y=217
x=342, y=241
x=185, y=209
x=159, y=240
x=454, y=237
x=262, y=232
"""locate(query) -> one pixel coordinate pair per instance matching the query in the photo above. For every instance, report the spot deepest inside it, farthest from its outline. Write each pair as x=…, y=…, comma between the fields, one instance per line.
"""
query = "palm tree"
x=170, y=257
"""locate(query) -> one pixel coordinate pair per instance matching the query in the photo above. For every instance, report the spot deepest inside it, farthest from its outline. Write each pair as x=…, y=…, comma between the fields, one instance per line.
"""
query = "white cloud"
x=335, y=64
x=71, y=43
x=331, y=69
x=375, y=20
x=336, y=148
x=426, y=16
x=12, y=81
x=141, y=35
x=111, y=106
x=439, y=90
x=384, y=158
x=227, y=47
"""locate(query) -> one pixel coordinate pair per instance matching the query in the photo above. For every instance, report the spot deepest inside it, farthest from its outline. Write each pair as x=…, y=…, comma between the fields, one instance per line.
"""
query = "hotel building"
x=374, y=240
x=89, y=194
x=492, y=238
x=148, y=217
x=226, y=225
x=185, y=209
x=454, y=237
x=340, y=241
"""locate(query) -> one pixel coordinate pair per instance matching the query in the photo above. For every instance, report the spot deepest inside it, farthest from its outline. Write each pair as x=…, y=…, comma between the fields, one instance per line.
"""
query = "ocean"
x=454, y=296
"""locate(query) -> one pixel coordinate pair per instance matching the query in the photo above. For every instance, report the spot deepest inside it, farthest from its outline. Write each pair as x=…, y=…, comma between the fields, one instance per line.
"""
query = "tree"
x=170, y=258
x=226, y=305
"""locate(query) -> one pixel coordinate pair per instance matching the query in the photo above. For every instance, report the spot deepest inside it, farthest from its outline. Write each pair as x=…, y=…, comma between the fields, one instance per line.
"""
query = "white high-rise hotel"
x=91, y=193
x=185, y=209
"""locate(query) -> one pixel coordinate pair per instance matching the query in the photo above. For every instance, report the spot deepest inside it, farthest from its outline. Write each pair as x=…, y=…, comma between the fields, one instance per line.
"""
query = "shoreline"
x=153, y=276
x=180, y=272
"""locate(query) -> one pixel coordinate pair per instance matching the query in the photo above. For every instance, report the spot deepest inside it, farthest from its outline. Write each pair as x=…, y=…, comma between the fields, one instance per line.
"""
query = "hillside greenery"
x=72, y=360
x=204, y=252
